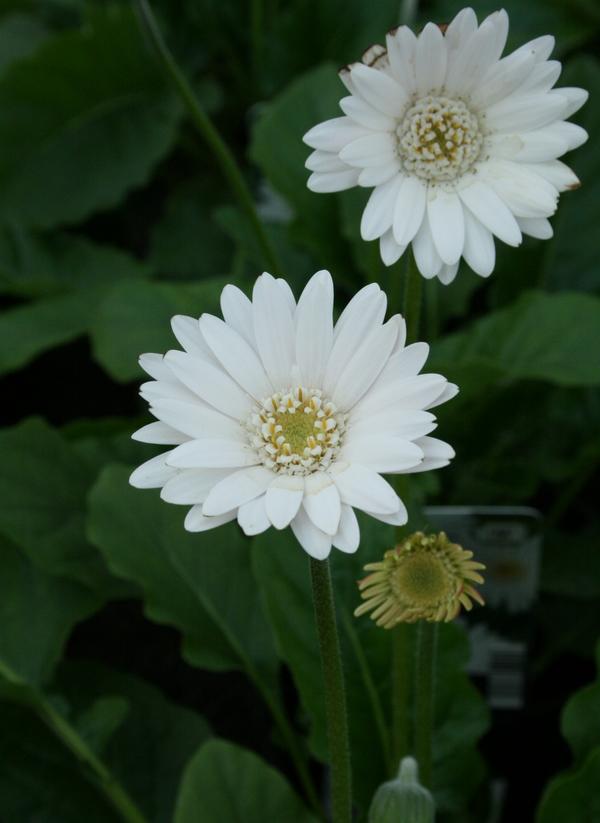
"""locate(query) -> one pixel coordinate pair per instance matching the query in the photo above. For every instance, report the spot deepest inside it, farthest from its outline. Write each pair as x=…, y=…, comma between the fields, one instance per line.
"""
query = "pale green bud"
x=403, y=800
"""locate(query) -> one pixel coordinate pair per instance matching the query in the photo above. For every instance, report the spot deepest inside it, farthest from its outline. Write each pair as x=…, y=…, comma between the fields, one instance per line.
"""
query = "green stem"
x=401, y=677
x=424, y=698
x=413, y=287
x=369, y=683
x=335, y=693
x=208, y=131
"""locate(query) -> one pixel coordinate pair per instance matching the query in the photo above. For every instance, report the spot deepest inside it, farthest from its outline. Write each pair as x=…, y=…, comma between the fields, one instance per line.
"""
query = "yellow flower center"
x=296, y=431
x=439, y=138
x=421, y=579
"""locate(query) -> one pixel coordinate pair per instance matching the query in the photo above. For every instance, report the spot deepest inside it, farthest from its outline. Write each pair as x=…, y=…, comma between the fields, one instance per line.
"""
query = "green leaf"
x=580, y=722
x=199, y=583
x=86, y=119
x=37, y=613
x=100, y=721
x=223, y=781
x=135, y=317
x=541, y=337
x=43, y=487
x=573, y=796
x=20, y=34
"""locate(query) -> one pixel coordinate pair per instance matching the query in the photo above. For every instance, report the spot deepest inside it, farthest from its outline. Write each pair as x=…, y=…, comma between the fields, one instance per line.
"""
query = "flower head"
x=459, y=144
x=276, y=417
x=424, y=578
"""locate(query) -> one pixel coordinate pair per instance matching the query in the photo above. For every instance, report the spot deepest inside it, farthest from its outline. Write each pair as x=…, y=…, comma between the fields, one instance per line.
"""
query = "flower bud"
x=403, y=800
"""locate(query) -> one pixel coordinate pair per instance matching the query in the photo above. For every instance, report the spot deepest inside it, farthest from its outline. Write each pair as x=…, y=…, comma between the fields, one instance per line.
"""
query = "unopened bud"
x=403, y=800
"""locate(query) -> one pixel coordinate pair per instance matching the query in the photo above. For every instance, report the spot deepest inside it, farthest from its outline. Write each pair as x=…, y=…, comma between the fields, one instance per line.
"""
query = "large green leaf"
x=134, y=318
x=43, y=487
x=281, y=568
x=85, y=119
x=541, y=337
x=143, y=741
x=199, y=583
x=226, y=782
x=580, y=722
x=573, y=796
x=20, y=34
x=37, y=614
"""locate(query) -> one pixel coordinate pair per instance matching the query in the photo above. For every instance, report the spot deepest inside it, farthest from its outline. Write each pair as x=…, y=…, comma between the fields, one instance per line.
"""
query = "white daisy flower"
x=276, y=417
x=459, y=144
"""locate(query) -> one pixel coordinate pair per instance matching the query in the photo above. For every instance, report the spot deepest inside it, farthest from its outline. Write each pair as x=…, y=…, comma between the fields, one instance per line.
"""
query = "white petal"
x=367, y=362
x=503, y=78
x=314, y=328
x=347, y=537
x=379, y=211
x=197, y=420
x=167, y=390
x=195, y=521
x=363, y=314
x=322, y=502
x=447, y=273
x=376, y=175
x=315, y=542
x=188, y=334
x=525, y=193
x=398, y=518
x=159, y=433
x=426, y=256
x=324, y=162
x=499, y=20
x=430, y=59
x=533, y=146
x=401, y=46
x=410, y=209
x=407, y=362
x=210, y=383
x=437, y=455
x=334, y=181
x=479, y=250
x=237, y=312
x=557, y=173
x=404, y=393
x=541, y=47
x=379, y=90
x=236, y=489
x=252, y=517
x=333, y=135
x=364, y=489
x=212, y=453
x=285, y=289
x=523, y=112
x=575, y=98
x=192, y=486
x=390, y=251
x=274, y=330
x=153, y=474
x=407, y=424
x=459, y=31
x=537, y=227
x=450, y=391
x=373, y=150
x=447, y=224
x=366, y=115
x=154, y=365
x=573, y=135
x=283, y=499
x=491, y=211
x=542, y=77
x=381, y=452
x=472, y=60
x=236, y=356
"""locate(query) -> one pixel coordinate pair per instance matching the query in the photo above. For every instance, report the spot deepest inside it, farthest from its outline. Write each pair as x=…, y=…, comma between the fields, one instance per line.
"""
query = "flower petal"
x=283, y=499
x=430, y=60
x=314, y=328
x=236, y=356
x=347, y=537
x=381, y=452
x=314, y=542
x=210, y=383
x=426, y=256
x=274, y=330
x=322, y=502
x=252, y=517
x=411, y=202
x=197, y=420
x=212, y=453
x=333, y=135
x=479, y=250
x=447, y=225
x=236, y=489
x=195, y=521
x=192, y=486
x=159, y=433
x=379, y=212
x=237, y=312
x=491, y=212
x=379, y=90
x=153, y=474
x=363, y=488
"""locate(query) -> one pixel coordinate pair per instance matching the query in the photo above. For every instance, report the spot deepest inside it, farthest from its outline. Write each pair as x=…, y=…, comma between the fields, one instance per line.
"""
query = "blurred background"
x=114, y=216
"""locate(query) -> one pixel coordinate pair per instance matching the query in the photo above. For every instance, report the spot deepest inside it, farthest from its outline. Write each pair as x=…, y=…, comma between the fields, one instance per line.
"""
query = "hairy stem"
x=401, y=682
x=335, y=692
x=424, y=697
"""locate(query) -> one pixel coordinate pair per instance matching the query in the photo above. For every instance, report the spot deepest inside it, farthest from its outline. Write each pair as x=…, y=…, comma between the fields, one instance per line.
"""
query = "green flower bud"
x=403, y=800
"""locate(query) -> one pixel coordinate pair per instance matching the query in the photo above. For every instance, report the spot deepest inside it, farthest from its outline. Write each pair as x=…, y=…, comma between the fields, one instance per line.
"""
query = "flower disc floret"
x=296, y=431
x=426, y=577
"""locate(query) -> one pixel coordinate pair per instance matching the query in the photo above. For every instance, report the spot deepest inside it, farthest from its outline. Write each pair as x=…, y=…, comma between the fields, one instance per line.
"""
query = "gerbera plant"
x=459, y=144
x=277, y=417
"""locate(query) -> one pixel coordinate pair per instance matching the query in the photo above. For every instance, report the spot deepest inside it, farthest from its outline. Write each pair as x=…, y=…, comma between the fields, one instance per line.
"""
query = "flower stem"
x=424, y=697
x=413, y=286
x=209, y=132
x=401, y=682
x=335, y=693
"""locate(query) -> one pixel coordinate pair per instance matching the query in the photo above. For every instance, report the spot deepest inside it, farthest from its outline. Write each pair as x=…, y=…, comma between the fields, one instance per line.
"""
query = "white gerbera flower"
x=275, y=417
x=459, y=144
